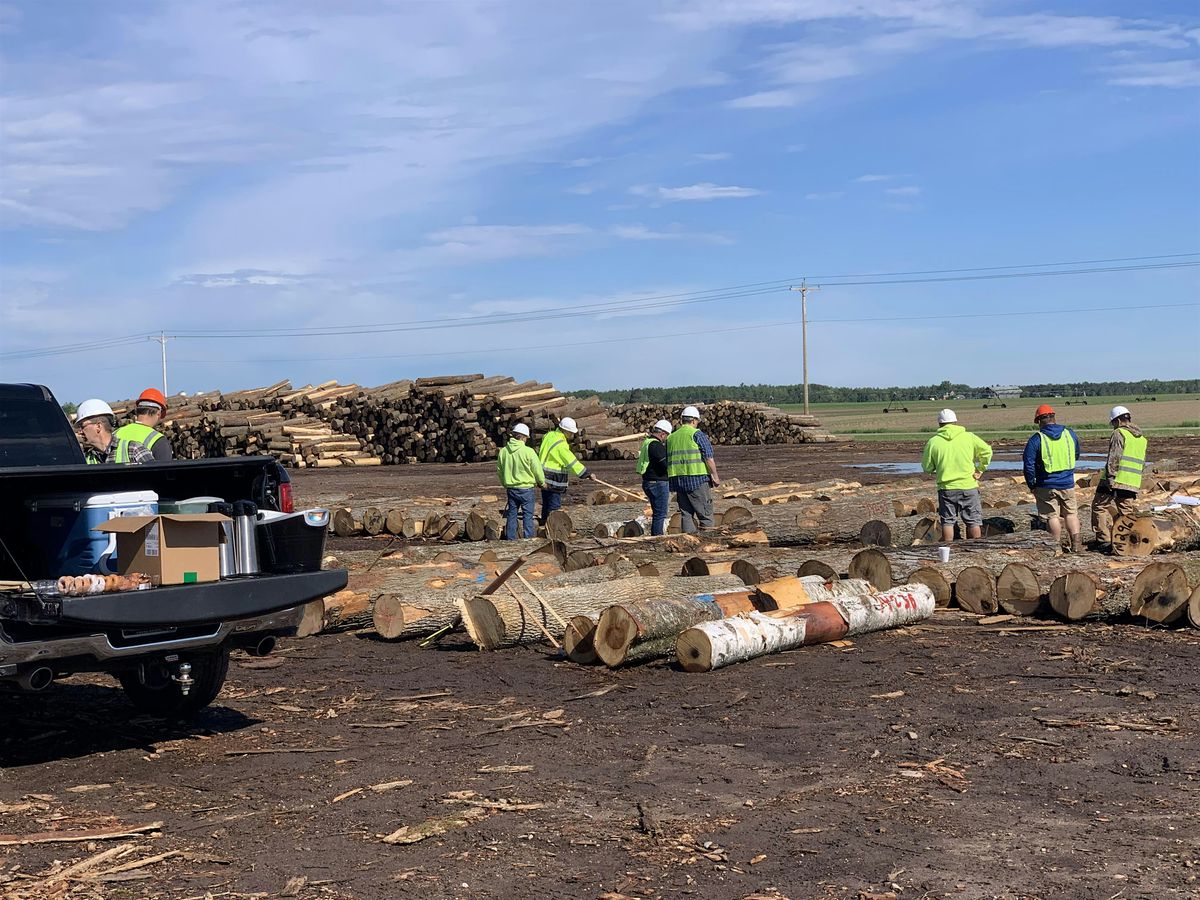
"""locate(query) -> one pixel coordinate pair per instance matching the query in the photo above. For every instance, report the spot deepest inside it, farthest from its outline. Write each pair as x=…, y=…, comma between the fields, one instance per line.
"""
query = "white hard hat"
x=568, y=424
x=663, y=425
x=89, y=408
x=690, y=412
x=946, y=416
x=521, y=428
x=1117, y=411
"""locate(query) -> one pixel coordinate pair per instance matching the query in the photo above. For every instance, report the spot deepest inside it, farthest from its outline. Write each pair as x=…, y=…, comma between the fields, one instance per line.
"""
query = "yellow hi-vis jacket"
x=558, y=461
x=518, y=466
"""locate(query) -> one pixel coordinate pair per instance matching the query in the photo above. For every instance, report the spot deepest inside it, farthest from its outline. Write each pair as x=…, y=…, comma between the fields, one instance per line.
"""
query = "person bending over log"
x=520, y=471
x=959, y=459
x=652, y=466
x=559, y=462
x=693, y=472
x=1049, y=463
x=1116, y=493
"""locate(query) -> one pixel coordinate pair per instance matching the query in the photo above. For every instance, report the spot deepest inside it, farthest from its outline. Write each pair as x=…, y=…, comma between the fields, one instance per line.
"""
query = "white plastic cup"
x=944, y=554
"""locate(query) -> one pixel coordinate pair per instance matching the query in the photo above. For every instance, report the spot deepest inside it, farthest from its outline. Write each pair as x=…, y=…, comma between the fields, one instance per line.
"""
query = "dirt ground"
x=945, y=760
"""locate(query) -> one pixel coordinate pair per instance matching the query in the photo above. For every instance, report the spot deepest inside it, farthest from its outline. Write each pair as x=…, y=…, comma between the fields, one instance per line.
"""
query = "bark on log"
x=497, y=621
x=636, y=632
x=342, y=611
x=1193, y=608
x=712, y=645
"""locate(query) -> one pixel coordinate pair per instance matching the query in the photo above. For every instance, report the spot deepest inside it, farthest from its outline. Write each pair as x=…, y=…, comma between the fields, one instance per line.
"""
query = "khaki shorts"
x=1055, y=501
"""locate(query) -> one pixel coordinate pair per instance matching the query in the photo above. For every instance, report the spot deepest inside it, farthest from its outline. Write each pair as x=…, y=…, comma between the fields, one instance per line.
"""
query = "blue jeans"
x=551, y=500
x=520, y=503
x=659, y=495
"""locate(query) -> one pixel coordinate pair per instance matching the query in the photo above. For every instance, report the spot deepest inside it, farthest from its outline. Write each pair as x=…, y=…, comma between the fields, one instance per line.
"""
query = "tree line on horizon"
x=777, y=394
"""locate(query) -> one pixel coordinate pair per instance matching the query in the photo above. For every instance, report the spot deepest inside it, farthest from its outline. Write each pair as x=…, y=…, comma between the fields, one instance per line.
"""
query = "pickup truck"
x=168, y=647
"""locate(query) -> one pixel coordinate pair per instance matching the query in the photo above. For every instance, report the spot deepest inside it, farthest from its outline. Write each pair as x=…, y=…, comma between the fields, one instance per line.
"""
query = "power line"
x=645, y=304
x=657, y=337
x=637, y=305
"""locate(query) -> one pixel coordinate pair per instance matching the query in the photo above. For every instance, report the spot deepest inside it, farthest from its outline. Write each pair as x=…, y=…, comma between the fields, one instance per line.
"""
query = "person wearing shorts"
x=959, y=459
x=1049, y=464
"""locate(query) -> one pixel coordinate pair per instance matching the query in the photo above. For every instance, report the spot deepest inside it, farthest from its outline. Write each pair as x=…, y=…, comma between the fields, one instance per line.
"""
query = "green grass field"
x=1170, y=414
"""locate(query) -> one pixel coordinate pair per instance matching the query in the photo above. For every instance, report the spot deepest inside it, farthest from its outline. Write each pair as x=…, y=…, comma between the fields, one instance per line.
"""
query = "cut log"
x=342, y=611
x=577, y=639
x=975, y=590
x=941, y=587
x=698, y=565
x=1160, y=593
x=372, y=520
x=346, y=523
x=1193, y=608
x=819, y=568
x=873, y=566
x=559, y=526
x=1018, y=590
x=712, y=645
x=1159, y=532
x=791, y=591
x=482, y=525
x=622, y=626
x=749, y=573
x=1081, y=595
x=496, y=622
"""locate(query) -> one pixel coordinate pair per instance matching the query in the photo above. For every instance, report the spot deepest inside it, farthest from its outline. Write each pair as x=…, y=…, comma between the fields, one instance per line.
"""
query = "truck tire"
x=163, y=698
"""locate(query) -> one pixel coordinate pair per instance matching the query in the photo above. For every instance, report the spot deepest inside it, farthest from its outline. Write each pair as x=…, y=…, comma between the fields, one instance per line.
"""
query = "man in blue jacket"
x=1050, y=456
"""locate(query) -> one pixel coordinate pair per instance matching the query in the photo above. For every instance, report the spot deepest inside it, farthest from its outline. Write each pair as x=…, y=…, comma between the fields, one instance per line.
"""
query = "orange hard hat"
x=1044, y=410
x=152, y=395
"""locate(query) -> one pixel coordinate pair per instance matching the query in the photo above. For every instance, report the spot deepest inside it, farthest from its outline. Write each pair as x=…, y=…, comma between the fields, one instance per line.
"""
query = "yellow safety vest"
x=1058, y=454
x=643, y=462
x=558, y=461
x=1132, y=462
x=120, y=458
x=136, y=431
x=683, y=453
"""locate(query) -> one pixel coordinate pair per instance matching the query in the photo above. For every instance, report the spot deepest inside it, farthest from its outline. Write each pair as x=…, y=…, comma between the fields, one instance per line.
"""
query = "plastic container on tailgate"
x=61, y=524
x=292, y=542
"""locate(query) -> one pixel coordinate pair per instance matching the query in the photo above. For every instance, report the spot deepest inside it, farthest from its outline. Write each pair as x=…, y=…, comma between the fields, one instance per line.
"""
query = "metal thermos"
x=228, y=554
x=245, y=538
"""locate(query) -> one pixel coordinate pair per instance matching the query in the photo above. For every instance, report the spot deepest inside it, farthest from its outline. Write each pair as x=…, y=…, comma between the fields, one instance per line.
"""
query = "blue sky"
x=195, y=167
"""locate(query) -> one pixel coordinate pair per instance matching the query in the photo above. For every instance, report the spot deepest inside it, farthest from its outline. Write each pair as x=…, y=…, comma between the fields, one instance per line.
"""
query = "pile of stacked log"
x=733, y=422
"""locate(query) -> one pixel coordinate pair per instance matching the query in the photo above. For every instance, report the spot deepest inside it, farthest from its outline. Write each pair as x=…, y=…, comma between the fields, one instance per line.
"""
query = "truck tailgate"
x=193, y=604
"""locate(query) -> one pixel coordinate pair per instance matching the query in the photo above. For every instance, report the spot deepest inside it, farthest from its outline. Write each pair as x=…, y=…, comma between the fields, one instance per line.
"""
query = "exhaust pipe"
x=36, y=679
x=263, y=647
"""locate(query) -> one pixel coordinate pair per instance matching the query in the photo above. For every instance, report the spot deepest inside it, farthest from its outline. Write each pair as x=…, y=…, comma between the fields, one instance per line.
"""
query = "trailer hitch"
x=183, y=677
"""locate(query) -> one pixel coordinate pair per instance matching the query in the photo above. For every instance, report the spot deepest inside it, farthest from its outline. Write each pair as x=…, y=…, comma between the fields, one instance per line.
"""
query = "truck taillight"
x=286, y=503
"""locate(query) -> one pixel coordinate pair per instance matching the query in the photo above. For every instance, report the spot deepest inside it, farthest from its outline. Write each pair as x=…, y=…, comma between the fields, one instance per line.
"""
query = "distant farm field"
x=1168, y=415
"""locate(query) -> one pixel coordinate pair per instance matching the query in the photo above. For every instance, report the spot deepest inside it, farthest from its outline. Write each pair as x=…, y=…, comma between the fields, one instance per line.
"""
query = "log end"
x=873, y=566
x=615, y=633
x=1073, y=595
x=942, y=590
x=483, y=623
x=694, y=651
x=975, y=590
x=1018, y=590
x=1160, y=593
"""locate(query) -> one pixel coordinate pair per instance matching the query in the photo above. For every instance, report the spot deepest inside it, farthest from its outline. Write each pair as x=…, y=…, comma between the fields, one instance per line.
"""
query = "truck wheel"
x=158, y=695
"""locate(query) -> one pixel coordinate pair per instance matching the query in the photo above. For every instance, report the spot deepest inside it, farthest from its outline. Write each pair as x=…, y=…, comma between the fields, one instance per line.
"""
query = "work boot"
x=1076, y=543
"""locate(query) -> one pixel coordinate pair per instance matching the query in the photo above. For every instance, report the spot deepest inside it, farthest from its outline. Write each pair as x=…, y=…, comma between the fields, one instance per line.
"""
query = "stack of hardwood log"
x=733, y=422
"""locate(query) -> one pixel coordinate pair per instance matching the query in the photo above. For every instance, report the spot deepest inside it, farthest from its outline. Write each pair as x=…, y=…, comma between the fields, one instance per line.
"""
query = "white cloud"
x=702, y=191
x=585, y=162
x=585, y=188
x=711, y=157
x=1180, y=73
x=906, y=191
x=765, y=100
x=674, y=233
x=868, y=178
x=480, y=243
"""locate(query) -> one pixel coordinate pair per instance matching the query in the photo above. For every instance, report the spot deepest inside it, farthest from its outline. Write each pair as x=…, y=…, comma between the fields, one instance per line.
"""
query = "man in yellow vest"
x=652, y=466
x=959, y=458
x=1049, y=464
x=519, y=471
x=692, y=472
x=559, y=463
x=148, y=415
x=95, y=420
x=1116, y=493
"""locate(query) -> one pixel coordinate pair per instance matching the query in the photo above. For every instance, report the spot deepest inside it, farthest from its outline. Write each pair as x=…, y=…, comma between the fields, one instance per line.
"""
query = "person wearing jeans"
x=692, y=472
x=520, y=472
x=652, y=466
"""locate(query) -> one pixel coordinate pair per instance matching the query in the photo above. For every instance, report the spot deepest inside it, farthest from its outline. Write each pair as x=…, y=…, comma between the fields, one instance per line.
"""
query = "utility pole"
x=803, y=291
x=162, y=339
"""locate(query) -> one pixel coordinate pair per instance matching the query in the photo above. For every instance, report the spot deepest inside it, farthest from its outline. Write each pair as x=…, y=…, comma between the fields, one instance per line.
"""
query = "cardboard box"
x=171, y=549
